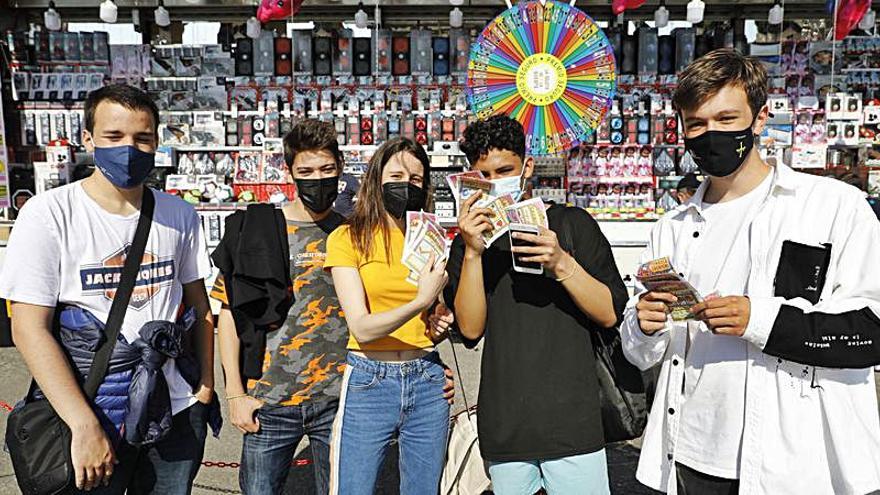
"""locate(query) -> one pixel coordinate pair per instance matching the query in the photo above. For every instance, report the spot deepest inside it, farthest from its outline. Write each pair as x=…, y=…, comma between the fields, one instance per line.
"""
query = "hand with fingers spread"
x=243, y=413
x=472, y=222
x=545, y=249
x=432, y=280
x=653, y=310
x=438, y=323
x=92, y=456
x=725, y=315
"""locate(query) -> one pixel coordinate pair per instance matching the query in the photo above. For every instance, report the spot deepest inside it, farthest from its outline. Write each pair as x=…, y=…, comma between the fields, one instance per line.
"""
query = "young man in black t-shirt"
x=539, y=419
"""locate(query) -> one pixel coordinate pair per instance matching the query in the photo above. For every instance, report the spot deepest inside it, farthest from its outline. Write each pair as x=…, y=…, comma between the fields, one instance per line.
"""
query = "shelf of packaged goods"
x=448, y=221
x=216, y=148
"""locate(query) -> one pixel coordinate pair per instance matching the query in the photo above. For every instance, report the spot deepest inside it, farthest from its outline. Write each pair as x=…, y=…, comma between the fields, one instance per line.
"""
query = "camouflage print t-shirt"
x=305, y=358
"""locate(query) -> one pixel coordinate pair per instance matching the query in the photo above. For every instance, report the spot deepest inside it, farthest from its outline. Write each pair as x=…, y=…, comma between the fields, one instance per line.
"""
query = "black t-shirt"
x=538, y=388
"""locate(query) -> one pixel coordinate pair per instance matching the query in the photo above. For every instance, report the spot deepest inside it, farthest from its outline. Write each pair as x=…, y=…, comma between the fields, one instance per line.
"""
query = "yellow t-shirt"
x=385, y=287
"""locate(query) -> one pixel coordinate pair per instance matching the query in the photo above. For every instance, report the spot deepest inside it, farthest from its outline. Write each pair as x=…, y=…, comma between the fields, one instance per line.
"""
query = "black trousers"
x=691, y=482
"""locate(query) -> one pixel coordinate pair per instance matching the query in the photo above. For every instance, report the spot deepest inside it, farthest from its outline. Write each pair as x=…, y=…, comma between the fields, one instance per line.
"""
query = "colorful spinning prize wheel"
x=548, y=66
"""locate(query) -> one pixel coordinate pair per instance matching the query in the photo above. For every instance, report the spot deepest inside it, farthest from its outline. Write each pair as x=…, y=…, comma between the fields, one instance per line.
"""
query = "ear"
x=528, y=168
x=87, y=141
x=761, y=120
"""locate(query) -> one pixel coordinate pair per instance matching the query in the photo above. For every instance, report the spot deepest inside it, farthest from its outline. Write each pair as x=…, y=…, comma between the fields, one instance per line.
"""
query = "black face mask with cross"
x=721, y=153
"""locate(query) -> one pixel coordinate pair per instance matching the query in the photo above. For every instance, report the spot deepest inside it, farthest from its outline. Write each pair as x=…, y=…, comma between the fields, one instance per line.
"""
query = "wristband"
x=239, y=396
x=573, y=269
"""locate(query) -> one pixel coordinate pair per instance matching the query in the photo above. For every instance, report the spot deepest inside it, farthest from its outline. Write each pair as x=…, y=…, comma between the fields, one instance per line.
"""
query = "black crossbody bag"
x=37, y=438
x=623, y=397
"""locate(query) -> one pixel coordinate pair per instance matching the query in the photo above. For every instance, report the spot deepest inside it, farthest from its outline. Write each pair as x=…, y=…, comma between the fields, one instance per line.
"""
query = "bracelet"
x=574, y=269
x=239, y=396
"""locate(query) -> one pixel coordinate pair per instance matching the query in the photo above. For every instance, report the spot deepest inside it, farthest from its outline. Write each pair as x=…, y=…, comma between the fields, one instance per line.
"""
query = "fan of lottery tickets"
x=424, y=237
x=504, y=208
x=660, y=276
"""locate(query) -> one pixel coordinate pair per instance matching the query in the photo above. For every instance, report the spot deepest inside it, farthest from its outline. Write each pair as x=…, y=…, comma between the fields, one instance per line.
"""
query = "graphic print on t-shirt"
x=103, y=278
x=304, y=358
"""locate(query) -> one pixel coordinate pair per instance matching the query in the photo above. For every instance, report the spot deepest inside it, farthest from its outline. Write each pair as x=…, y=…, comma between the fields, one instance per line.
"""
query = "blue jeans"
x=585, y=474
x=267, y=454
x=383, y=400
x=167, y=468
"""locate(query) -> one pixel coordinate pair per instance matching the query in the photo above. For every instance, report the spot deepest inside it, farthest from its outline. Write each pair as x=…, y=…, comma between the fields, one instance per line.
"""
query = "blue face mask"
x=124, y=166
x=512, y=185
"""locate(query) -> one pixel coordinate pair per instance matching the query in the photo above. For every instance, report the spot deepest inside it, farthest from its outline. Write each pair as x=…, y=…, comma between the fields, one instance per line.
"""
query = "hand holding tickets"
x=659, y=276
x=424, y=238
x=502, y=208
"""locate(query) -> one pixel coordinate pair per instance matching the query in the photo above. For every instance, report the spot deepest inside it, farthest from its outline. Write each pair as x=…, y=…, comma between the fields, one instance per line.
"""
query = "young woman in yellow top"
x=393, y=384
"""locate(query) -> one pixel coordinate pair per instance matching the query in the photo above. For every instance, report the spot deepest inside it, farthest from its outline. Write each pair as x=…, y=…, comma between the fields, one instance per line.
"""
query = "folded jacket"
x=254, y=258
x=133, y=400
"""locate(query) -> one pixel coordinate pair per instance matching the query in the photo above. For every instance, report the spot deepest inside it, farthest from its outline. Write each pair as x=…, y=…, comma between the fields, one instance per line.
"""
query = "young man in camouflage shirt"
x=298, y=392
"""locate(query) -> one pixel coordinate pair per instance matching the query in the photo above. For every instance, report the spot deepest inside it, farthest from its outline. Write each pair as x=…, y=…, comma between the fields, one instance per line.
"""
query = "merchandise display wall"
x=225, y=106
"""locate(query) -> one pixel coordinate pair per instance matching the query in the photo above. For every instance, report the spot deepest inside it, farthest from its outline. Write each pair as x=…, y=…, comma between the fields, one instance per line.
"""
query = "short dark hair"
x=122, y=94
x=312, y=135
x=689, y=181
x=707, y=75
x=498, y=132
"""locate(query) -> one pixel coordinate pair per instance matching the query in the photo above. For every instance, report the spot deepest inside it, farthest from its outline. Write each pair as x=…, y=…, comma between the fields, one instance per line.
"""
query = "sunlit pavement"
x=219, y=477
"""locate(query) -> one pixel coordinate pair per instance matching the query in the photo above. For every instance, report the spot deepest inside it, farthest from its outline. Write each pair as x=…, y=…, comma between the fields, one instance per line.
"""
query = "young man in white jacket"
x=769, y=388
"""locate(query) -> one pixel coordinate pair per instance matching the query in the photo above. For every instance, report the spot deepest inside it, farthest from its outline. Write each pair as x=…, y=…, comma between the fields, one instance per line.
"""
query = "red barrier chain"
x=235, y=465
x=210, y=464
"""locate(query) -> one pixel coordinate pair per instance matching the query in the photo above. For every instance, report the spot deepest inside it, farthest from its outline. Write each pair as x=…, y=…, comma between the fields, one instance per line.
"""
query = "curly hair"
x=498, y=132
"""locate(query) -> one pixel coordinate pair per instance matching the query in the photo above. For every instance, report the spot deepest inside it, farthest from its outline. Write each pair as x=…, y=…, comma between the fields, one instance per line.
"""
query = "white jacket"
x=812, y=423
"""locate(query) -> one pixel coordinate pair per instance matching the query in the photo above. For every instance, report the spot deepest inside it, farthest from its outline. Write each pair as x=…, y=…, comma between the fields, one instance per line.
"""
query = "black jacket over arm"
x=254, y=259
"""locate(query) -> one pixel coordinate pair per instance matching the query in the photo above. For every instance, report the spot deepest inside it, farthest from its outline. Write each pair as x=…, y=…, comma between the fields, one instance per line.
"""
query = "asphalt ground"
x=220, y=475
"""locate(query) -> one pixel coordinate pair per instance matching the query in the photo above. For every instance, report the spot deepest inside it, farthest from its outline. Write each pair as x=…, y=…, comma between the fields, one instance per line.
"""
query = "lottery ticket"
x=660, y=276
x=531, y=211
x=498, y=217
x=424, y=237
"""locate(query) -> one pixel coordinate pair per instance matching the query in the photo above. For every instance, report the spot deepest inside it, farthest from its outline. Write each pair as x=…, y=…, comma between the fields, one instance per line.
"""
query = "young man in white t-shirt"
x=67, y=248
x=769, y=387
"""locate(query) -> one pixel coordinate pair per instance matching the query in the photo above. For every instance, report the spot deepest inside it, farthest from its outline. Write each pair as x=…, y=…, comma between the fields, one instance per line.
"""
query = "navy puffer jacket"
x=133, y=400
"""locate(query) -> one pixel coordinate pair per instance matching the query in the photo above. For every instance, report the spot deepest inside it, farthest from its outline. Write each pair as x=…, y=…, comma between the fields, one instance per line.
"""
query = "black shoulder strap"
x=285, y=246
x=133, y=259
x=564, y=231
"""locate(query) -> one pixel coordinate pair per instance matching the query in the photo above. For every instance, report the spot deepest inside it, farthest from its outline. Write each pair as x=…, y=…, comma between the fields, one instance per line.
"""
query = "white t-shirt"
x=66, y=249
x=711, y=428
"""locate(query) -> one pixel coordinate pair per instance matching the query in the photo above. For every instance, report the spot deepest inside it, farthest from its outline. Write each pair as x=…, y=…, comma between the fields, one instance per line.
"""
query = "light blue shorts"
x=585, y=474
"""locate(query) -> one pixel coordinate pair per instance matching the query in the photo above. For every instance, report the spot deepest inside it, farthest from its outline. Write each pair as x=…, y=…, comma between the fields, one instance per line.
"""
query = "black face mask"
x=318, y=194
x=401, y=197
x=721, y=153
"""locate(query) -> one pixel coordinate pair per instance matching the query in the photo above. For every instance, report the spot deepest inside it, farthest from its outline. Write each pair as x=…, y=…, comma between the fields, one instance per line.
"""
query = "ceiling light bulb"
x=253, y=28
x=360, y=17
x=661, y=17
x=456, y=18
x=776, y=14
x=456, y=3
x=868, y=20
x=108, y=11
x=51, y=18
x=695, y=10
x=162, y=17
